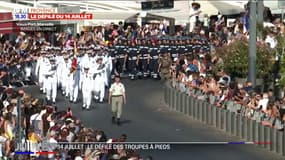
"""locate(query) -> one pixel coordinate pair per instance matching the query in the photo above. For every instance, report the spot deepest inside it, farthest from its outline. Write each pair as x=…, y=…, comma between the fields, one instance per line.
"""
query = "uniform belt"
x=154, y=57
x=174, y=55
x=143, y=57
x=117, y=95
x=121, y=56
x=132, y=58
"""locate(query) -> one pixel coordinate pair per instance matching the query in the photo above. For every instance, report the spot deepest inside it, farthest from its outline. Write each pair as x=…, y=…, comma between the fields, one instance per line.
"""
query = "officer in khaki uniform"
x=164, y=66
x=117, y=98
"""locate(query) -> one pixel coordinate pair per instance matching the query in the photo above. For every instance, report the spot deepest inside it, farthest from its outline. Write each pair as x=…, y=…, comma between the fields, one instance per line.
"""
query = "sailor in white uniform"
x=41, y=67
x=51, y=80
x=66, y=78
x=86, y=79
x=99, y=80
x=107, y=60
x=74, y=82
x=59, y=61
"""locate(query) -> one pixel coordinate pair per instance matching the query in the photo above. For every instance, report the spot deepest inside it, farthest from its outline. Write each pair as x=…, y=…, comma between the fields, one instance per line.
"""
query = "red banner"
x=71, y=16
x=6, y=16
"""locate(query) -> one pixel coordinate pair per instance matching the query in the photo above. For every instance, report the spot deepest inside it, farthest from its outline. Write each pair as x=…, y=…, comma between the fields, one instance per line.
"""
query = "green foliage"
x=236, y=58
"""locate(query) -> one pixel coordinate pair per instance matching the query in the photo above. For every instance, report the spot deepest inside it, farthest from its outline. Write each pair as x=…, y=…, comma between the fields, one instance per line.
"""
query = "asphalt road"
x=146, y=118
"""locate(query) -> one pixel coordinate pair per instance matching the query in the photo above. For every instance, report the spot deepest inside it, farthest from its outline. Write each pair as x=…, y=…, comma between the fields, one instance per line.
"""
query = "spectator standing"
x=194, y=13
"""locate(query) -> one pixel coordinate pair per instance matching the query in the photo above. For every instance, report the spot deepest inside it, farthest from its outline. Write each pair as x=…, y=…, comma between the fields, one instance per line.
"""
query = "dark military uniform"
x=189, y=46
x=132, y=60
x=120, y=53
x=181, y=48
x=144, y=58
x=172, y=49
x=154, y=56
x=112, y=52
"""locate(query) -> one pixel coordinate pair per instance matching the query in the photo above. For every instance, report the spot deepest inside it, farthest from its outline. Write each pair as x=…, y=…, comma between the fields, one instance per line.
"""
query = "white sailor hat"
x=89, y=51
x=97, y=48
x=99, y=58
x=52, y=59
x=91, y=46
x=65, y=57
x=69, y=49
x=86, y=67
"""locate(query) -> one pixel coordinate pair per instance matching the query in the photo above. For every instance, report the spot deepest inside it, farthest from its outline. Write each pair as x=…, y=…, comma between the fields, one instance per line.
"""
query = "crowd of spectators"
x=195, y=75
x=41, y=123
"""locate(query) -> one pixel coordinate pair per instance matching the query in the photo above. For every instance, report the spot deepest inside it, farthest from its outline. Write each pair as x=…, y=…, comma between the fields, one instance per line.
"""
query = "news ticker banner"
x=48, y=14
x=39, y=148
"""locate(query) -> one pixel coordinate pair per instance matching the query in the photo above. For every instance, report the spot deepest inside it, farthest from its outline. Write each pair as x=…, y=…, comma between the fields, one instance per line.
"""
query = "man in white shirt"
x=271, y=40
x=193, y=14
x=52, y=141
x=263, y=102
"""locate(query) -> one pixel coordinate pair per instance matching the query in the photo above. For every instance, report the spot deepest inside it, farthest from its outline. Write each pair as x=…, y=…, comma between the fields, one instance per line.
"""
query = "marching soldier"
x=112, y=52
x=107, y=60
x=154, y=56
x=74, y=77
x=99, y=80
x=59, y=61
x=172, y=49
x=51, y=81
x=120, y=57
x=133, y=60
x=139, y=68
x=117, y=98
x=144, y=58
x=189, y=46
x=181, y=47
x=86, y=80
x=164, y=66
x=66, y=79
x=41, y=68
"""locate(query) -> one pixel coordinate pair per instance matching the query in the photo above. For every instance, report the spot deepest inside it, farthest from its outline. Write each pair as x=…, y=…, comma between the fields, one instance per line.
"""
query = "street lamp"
x=252, y=43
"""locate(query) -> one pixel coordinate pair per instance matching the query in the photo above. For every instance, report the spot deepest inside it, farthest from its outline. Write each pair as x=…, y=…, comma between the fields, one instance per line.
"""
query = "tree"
x=236, y=61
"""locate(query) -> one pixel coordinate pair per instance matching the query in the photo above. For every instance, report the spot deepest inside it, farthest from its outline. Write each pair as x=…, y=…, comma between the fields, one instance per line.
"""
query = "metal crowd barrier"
x=226, y=120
